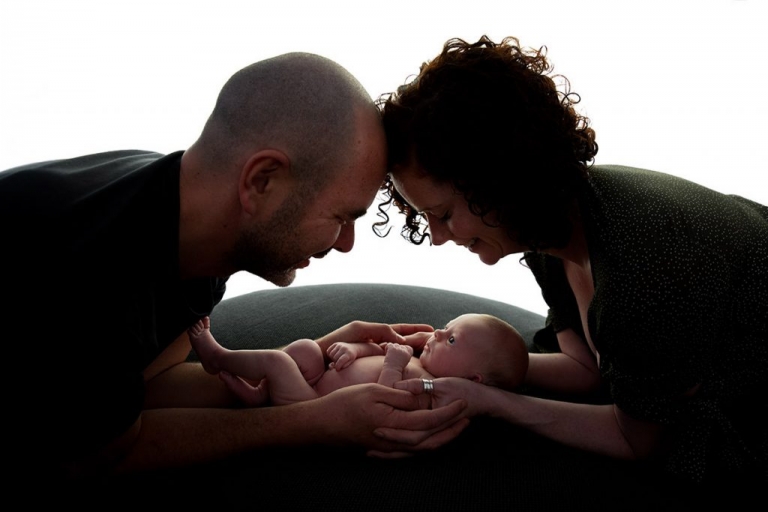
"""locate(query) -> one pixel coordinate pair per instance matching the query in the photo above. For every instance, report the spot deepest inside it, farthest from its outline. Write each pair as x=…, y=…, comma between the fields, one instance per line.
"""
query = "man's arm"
x=187, y=419
x=359, y=331
x=175, y=437
x=169, y=373
x=342, y=354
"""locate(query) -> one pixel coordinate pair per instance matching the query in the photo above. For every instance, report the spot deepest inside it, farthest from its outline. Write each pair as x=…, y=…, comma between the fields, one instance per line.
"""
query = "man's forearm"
x=175, y=437
x=187, y=385
x=347, y=417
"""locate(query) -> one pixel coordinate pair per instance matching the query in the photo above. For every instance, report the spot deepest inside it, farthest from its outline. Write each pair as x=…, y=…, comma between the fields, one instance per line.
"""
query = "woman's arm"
x=573, y=370
x=602, y=429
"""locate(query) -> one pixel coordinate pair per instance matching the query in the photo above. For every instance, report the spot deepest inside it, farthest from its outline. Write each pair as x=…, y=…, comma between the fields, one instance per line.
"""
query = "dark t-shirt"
x=92, y=292
x=681, y=299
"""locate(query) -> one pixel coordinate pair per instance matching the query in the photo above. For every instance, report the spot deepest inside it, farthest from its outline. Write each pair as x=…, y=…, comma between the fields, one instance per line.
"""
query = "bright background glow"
x=675, y=85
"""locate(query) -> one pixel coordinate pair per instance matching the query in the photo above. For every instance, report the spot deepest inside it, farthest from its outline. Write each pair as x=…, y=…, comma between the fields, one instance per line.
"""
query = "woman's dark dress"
x=681, y=299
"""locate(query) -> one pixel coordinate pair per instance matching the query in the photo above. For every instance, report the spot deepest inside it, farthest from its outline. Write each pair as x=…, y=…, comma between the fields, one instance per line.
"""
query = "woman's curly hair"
x=489, y=119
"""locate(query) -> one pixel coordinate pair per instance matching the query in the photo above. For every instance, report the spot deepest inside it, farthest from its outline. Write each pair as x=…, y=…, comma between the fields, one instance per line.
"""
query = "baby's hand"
x=397, y=355
x=341, y=355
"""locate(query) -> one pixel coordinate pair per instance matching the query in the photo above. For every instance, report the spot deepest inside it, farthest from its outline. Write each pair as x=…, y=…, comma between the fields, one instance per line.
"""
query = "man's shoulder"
x=90, y=170
x=119, y=158
x=67, y=204
x=88, y=160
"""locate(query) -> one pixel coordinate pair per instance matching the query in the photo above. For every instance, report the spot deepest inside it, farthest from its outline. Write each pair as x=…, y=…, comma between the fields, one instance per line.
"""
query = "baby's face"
x=454, y=350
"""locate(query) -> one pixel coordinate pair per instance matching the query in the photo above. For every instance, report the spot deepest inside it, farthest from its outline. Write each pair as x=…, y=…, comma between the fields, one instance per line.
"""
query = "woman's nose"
x=438, y=231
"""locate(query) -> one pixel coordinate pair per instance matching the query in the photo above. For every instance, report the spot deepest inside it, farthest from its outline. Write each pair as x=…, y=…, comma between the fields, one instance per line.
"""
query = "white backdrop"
x=674, y=85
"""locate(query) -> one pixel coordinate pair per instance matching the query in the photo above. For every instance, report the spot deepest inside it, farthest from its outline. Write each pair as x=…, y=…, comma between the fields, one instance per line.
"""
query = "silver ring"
x=429, y=386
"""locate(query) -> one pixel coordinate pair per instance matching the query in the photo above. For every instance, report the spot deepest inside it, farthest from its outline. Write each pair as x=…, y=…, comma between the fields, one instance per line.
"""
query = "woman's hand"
x=447, y=390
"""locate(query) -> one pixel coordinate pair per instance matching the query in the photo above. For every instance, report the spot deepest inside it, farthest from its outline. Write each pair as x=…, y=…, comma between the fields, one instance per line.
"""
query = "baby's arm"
x=342, y=354
x=396, y=359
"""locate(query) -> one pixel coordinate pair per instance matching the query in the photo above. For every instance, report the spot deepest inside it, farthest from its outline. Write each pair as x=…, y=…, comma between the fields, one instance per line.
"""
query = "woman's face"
x=449, y=216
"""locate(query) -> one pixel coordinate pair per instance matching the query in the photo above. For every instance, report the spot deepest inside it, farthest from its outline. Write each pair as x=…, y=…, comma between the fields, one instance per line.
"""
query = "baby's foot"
x=204, y=344
x=202, y=325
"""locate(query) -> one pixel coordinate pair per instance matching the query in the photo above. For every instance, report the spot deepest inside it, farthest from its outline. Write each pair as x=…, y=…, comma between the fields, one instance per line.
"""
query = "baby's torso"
x=362, y=371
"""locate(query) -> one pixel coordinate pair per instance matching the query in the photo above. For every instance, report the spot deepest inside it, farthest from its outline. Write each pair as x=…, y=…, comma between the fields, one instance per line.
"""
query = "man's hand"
x=358, y=331
x=418, y=340
x=354, y=415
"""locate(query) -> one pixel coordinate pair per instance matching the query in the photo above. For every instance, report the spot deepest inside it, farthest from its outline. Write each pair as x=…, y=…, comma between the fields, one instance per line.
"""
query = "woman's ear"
x=263, y=179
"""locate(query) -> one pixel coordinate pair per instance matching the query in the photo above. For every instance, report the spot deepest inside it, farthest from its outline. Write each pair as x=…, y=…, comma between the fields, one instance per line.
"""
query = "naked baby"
x=479, y=347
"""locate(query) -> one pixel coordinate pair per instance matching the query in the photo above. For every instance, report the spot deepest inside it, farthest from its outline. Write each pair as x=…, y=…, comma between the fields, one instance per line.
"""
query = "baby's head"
x=479, y=347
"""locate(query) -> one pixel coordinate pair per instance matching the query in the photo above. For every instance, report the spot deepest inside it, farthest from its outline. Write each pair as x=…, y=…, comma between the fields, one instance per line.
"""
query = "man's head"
x=299, y=103
x=296, y=148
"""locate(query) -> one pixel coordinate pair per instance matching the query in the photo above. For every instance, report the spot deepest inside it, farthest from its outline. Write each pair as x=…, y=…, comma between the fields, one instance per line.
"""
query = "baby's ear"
x=477, y=378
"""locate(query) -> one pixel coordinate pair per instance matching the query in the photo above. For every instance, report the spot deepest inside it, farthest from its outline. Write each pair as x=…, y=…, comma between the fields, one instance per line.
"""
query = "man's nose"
x=346, y=239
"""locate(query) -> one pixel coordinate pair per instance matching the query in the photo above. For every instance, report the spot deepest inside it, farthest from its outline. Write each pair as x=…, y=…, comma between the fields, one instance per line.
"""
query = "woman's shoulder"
x=619, y=196
x=622, y=183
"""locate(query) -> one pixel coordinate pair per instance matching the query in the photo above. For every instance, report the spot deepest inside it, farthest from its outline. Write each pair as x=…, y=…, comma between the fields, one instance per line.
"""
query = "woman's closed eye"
x=439, y=218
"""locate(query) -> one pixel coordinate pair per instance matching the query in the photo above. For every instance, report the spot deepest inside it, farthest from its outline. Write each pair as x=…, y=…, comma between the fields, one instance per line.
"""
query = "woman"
x=657, y=287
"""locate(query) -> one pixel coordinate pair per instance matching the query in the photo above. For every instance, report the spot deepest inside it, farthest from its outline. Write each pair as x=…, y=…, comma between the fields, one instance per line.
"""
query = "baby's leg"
x=205, y=345
x=286, y=383
x=309, y=358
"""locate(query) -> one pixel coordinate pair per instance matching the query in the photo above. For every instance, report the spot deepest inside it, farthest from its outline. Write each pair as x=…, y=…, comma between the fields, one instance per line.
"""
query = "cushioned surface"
x=491, y=466
x=271, y=318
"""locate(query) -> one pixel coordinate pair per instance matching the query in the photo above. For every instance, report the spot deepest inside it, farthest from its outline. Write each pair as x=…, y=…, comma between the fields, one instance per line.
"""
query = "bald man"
x=109, y=259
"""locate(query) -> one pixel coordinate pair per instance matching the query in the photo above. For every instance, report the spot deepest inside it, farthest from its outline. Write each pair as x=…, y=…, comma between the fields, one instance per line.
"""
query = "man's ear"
x=262, y=179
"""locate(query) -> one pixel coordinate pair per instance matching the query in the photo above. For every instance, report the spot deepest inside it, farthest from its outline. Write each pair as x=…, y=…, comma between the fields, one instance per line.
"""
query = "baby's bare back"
x=362, y=371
